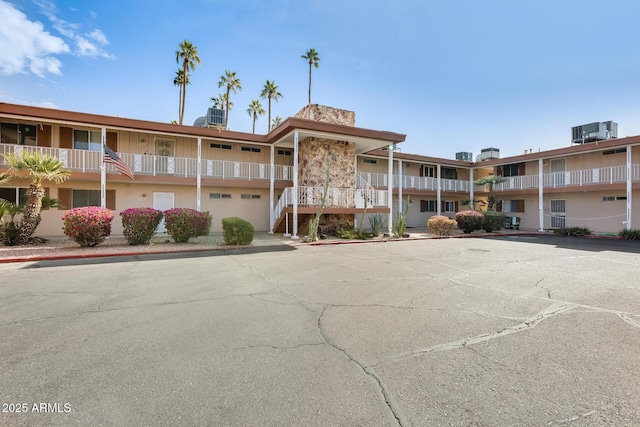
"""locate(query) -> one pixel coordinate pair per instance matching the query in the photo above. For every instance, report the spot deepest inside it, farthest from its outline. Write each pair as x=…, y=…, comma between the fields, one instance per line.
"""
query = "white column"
x=271, y=190
x=400, y=176
x=199, y=177
x=390, y=191
x=103, y=172
x=629, y=188
x=439, y=202
x=540, y=196
x=471, y=189
x=295, y=186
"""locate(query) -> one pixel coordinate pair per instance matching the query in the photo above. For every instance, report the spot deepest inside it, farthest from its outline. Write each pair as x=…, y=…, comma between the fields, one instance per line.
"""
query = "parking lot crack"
x=386, y=396
x=537, y=285
x=526, y=325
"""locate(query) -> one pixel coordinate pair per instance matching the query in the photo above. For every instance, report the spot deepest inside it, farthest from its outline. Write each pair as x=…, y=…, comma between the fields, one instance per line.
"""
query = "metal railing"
x=415, y=182
x=147, y=164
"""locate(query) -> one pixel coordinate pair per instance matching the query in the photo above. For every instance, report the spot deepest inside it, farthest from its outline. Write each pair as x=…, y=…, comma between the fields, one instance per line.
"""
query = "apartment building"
x=276, y=181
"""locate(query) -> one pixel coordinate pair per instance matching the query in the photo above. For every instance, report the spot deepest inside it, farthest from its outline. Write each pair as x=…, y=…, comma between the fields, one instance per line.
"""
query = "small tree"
x=490, y=181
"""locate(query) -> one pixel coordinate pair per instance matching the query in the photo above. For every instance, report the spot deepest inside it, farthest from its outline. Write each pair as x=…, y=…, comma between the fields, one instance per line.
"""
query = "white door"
x=558, y=173
x=162, y=202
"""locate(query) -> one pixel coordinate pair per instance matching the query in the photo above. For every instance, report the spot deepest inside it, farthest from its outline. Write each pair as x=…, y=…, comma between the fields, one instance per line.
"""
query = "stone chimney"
x=322, y=113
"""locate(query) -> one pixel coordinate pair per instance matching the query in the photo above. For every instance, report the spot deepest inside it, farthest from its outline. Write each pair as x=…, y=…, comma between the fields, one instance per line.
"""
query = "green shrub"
x=350, y=233
x=183, y=224
x=633, y=234
x=493, y=221
x=377, y=222
x=469, y=221
x=140, y=224
x=572, y=231
x=87, y=226
x=440, y=225
x=237, y=231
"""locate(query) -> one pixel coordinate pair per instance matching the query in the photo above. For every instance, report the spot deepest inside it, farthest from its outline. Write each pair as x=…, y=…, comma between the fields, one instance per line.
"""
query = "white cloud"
x=25, y=43
x=86, y=43
x=47, y=103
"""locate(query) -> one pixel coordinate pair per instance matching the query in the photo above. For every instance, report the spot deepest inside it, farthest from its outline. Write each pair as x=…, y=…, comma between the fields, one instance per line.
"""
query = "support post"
x=400, y=185
x=472, y=205
x=540, y=196
x=629, y=189
x=272, y=219
x=390, y=191
x=103, y=171
x=439, y=202
x=199, y=177
x=295, y=186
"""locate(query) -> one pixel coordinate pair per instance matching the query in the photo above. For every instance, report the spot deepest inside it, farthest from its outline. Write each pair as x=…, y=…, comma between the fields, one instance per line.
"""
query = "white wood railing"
x=146, y=164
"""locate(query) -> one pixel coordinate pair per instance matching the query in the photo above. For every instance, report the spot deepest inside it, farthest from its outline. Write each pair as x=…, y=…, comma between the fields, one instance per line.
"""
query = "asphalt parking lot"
x=512, y=331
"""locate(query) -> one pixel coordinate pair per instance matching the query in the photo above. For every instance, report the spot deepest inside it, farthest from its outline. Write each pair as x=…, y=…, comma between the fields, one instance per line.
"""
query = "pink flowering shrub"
x=469, y=221
x=87, y=226
x=183, y=223
x=440, y=225
x=140, y=224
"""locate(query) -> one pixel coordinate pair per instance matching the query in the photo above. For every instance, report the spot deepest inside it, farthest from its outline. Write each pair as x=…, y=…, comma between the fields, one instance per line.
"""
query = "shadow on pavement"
x=155, y=257
x=578, y=243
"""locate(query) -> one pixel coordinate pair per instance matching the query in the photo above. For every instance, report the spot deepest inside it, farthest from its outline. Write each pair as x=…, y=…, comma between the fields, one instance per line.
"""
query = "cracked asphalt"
x=514, y=331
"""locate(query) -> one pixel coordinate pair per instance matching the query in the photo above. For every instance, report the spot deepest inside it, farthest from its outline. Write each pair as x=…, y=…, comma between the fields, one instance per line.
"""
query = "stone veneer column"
x=316, y=154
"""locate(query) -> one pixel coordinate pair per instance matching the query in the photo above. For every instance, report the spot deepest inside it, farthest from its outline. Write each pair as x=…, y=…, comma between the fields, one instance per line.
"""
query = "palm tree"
x=490, y=181
x=255, y=109
x=312, y=56
x=225, y=101
x=178, y=80
x=270, y=91
x=232, y=83
x=276, y=122
x=217, y=103
x=39, y=167
x=188, y=54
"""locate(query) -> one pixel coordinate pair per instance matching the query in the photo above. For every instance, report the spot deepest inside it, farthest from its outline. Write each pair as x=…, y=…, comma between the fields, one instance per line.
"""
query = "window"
x=616, y=151
x=449, y=206
x=221, y=146
x=90, y=140
x=82, y=198
x=249, y=196
x=449, y=173
x=370, y=161
x=18, y=133
x=427, y=205
x=613, y=198
x=513, y=206
x=284, y=152
x=514, y=169
x=251, y=149
x=219, y=196
x=14, y=195
x=428, y=171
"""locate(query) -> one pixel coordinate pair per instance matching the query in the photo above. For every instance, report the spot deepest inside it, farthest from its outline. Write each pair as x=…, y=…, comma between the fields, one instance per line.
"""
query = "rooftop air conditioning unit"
x=216, y=117
x=464, y=156
x=489, y=153
x=593, y=132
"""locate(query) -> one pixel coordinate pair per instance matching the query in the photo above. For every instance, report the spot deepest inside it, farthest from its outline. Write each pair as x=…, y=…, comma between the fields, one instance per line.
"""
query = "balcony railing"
x=583, y=177
x=150, y=165
x=416, y=182
x=336, y=198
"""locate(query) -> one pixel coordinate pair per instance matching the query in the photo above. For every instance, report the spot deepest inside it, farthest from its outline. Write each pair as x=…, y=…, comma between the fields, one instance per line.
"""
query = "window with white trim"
x=449, y=206
x=15, y=195
x=219, y=196
x=427, y=205
x=249, y=196
x=90, y=140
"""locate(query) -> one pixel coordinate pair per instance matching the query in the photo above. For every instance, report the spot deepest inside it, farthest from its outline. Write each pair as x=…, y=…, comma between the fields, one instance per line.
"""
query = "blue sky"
x=451, y=75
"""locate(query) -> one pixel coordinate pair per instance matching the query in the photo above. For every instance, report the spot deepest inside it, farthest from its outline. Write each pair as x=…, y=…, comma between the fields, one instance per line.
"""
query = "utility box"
x=594, y=132
x=489, y=153
x=216, y=117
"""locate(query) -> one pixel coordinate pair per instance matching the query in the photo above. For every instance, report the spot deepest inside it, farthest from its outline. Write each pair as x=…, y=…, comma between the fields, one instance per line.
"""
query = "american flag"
x=111, y=157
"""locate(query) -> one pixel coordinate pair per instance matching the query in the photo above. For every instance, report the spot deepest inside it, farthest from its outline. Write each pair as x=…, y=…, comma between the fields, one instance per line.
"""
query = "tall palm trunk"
x=184, y=90
x=228, y=90
x=269, y=122
x=254, y=122
x=31, y=215
x=310, y=62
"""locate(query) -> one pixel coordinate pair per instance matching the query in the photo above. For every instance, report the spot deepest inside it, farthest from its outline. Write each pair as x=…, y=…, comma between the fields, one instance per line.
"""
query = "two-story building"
x=276, y=181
